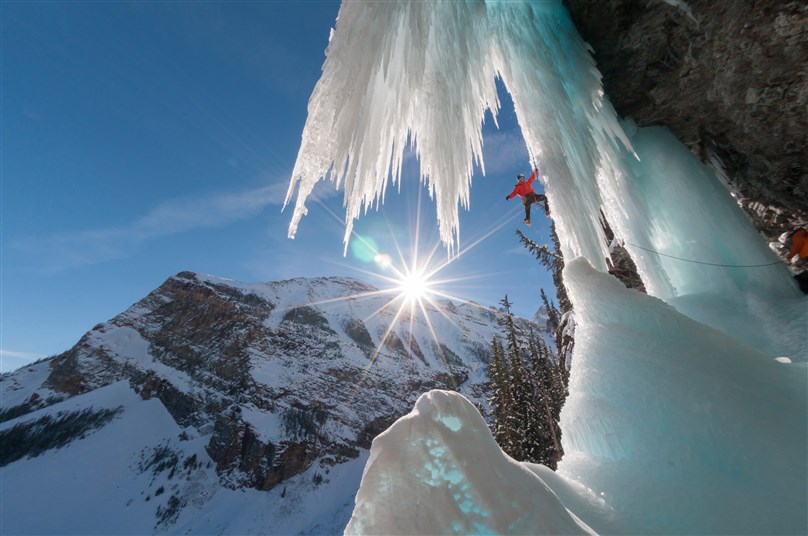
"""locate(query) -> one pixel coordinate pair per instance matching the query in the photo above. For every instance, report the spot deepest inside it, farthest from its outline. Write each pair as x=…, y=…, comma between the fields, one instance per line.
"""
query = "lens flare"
x=383, y=261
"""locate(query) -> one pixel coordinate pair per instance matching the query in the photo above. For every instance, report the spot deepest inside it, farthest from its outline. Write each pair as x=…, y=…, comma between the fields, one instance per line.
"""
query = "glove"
x=507, y=198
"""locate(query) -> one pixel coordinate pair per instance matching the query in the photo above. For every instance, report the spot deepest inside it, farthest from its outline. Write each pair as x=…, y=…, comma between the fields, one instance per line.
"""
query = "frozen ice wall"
x=700, y=241
x=681, y=428
x=695, y=249
x=424, y=73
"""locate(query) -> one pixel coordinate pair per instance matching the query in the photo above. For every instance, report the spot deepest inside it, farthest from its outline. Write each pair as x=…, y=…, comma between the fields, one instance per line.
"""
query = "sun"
x=414, y=286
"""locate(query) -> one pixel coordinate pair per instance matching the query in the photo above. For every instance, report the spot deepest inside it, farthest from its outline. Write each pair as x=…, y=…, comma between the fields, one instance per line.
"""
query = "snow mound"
x=438, y=470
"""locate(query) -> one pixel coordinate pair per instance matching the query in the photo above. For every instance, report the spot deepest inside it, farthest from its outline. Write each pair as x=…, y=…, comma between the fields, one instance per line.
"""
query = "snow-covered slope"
x=213, y=406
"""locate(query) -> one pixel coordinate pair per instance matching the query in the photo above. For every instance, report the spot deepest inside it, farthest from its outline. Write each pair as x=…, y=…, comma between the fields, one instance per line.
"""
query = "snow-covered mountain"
x=214, y=406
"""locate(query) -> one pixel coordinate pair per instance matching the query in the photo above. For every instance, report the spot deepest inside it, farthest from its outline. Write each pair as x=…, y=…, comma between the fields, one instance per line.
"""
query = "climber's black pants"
x=528, y=200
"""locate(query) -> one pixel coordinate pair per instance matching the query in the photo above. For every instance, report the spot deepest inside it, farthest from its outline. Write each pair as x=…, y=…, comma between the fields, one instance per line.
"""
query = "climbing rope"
x=707, y=263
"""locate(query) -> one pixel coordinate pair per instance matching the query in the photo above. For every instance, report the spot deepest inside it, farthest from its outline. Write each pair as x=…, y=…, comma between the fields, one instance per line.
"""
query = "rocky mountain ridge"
x=274, y=379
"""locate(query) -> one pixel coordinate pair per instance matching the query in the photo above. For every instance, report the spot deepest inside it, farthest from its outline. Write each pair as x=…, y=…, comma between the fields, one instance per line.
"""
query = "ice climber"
x=525, y=191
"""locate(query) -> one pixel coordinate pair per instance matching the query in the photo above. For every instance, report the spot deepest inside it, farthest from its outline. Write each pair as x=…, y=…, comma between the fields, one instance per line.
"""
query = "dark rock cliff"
x=728, y=77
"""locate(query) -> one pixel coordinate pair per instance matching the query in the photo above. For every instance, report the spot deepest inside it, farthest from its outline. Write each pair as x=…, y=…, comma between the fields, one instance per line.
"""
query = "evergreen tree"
x=552, y=312
x=520, y=417
x=550, y=396
x=506, y=307
x=506, y=322
x=553, y=260
x=557, y=380
x=527, y=392
x=512, y=415
x=500, y=398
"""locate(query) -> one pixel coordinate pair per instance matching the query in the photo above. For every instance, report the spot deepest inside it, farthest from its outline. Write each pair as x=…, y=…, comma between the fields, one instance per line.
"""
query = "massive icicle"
x=427, y=70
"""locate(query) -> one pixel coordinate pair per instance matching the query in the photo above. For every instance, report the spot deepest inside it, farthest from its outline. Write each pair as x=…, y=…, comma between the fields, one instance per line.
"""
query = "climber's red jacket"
x=524, y=188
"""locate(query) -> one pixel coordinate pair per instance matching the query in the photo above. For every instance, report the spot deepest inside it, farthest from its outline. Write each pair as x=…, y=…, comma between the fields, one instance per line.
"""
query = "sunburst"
x=411, y=284
x=413, y=290
x=414, y=286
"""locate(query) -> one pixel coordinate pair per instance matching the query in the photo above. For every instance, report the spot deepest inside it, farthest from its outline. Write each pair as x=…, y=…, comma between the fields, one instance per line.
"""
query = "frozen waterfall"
x=425, y=72
x=679, y=418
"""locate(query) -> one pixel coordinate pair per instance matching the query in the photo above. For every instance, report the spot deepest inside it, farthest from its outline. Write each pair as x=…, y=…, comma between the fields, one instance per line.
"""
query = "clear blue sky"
x=140, y=139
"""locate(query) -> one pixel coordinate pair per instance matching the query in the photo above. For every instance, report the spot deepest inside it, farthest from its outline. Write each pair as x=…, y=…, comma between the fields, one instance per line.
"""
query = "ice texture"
x=438, y=470
x=700, y=240
x=683, y=428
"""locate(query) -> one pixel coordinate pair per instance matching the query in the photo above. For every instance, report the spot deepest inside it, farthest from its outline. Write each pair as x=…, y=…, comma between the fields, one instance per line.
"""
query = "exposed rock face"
x=276, y=376
x=621, y=265
x=729, y=78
